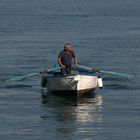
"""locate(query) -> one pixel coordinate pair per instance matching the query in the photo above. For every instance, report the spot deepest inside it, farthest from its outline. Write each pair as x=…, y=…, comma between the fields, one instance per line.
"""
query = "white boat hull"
x=78, y=84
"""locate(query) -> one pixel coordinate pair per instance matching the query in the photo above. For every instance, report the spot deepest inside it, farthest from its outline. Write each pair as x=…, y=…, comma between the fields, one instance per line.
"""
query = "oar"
x=106, y=72
x=20, y=78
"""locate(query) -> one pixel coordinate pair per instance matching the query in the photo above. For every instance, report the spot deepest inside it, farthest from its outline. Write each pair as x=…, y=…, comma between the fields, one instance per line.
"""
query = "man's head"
x=68, y=47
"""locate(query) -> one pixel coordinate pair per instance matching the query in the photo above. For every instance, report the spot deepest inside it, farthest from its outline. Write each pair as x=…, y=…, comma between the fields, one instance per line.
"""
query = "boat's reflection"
x=72, y=110
x=82, y=109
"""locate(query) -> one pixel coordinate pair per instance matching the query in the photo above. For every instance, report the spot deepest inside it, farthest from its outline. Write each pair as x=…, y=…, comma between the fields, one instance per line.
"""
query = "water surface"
x=104, y=34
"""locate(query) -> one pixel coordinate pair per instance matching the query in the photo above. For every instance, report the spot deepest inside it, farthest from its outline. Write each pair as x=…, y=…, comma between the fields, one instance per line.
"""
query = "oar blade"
x=21, y=78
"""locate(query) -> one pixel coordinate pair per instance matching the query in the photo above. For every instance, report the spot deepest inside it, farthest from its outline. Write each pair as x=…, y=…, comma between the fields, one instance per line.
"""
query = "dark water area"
x=104, y=33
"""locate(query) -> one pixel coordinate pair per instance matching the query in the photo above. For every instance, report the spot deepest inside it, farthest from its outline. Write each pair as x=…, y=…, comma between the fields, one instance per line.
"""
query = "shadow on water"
x=18, y=86
x=67, y=100
x=121, y=83
x=68, y=111
x=14, y=85
x=118, y=87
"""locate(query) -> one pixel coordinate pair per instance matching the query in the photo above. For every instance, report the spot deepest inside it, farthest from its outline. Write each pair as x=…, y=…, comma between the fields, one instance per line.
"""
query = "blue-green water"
x=104, y=33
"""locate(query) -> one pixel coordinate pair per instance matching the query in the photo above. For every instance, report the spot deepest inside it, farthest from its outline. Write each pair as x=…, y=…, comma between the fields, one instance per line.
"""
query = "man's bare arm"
x=75, y=60
x=60, y=63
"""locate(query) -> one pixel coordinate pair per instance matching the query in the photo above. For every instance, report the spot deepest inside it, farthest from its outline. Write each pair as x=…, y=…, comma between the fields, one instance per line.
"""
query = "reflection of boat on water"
x=72, y=115
x=87, y=109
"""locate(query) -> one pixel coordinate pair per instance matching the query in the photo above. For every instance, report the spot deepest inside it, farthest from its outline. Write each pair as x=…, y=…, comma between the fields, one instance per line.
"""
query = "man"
x=65, y=59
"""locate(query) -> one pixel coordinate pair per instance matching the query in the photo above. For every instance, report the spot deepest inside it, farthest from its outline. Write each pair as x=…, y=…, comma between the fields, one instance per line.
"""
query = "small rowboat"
x=74, y=84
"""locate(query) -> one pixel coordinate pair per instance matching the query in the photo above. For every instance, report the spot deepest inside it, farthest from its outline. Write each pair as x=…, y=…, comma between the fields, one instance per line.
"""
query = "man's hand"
x=63, y=66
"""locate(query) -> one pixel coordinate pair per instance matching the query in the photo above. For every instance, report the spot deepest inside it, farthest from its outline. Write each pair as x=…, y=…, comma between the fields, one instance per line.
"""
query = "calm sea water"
x=104, y=33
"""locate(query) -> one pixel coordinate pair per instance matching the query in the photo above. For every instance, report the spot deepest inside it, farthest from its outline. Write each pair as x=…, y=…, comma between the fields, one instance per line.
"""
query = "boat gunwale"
x=63, y=76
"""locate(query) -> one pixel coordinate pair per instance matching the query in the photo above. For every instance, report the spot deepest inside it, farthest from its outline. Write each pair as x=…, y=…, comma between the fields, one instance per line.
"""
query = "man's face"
x=68, y=48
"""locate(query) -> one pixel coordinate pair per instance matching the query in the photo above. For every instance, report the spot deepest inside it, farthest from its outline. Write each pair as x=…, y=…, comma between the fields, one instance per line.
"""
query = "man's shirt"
x=66, y=58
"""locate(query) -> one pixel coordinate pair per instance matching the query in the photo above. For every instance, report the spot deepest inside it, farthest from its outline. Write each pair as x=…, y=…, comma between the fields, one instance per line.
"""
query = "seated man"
x=65, y=59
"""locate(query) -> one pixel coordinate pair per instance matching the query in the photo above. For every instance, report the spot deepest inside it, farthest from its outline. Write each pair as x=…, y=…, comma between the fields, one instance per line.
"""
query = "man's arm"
x=59, y=59
x=60, y=63
x=75, y=60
